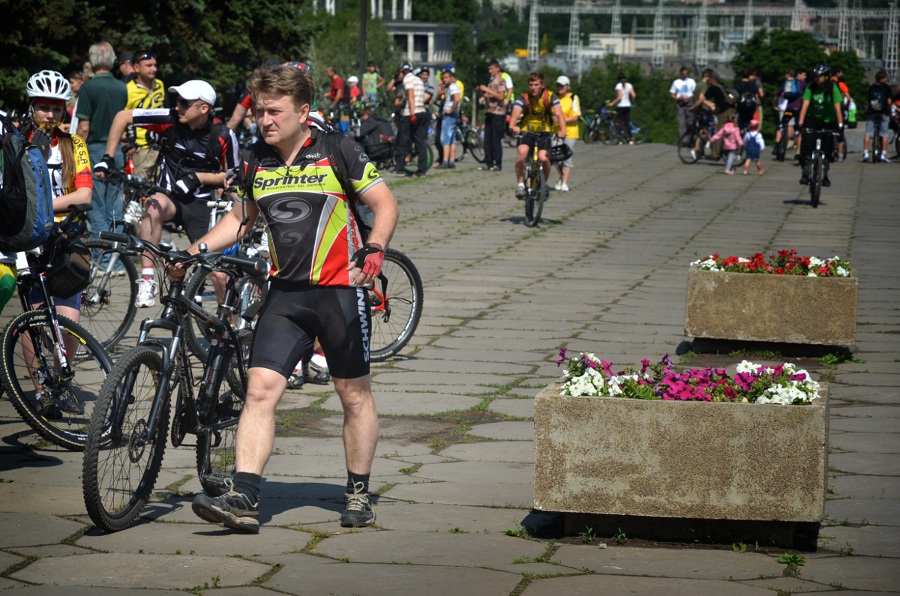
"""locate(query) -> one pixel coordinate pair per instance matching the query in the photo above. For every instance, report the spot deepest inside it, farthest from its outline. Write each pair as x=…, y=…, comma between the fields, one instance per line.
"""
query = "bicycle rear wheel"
x=395, y=311
x=475, y=144
x=687, y=151
x=29, y=361
x=781, y=147
x=108, y=304
x=122, y=456
x=815, y=179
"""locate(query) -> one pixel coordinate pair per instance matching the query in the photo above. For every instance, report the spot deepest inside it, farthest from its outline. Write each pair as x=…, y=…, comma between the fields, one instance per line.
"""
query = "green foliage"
x=588, y=535
x=653, y=105
x=739, y=547
x=221, y=42
x=620, y=537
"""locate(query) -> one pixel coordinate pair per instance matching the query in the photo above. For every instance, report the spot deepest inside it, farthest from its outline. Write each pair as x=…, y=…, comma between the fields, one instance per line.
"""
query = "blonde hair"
x=282, y=80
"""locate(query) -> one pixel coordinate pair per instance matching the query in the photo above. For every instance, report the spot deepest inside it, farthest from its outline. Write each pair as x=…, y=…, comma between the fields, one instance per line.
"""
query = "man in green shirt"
x=821, y=110
x=99, y=100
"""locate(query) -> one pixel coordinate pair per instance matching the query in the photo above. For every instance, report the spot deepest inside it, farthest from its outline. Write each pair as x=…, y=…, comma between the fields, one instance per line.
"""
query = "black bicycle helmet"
x=560, y=152
x=821, y=70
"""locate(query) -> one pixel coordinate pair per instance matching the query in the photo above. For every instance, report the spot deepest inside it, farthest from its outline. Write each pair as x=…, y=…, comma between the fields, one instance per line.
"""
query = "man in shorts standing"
x=317, y=289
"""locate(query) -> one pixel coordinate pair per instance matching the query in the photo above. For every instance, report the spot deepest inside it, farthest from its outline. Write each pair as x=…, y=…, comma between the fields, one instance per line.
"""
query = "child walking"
x=731, y=141
x=754, y=143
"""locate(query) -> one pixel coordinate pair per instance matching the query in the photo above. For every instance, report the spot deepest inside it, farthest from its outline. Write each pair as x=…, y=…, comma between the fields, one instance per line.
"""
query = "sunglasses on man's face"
x=143, y=56
x=185, y=104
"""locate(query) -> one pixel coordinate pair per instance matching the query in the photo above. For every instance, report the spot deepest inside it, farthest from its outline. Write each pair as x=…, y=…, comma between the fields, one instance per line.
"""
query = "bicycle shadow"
x=806, y=202
x=520, y=221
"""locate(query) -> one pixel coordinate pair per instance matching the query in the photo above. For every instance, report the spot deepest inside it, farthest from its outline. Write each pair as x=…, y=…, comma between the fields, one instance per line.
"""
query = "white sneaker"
x=885, y=158
x=146, y=293
x=865, y=156
x=563, y=187
x=559, y=185
x=520, y=191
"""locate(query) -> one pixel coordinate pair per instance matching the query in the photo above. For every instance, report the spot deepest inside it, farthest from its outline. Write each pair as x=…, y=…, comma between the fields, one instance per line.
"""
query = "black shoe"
x=496, y=169
x=826, y=181
x=485, y=168
x=358, y=512
x=804, y=179
x=233, y=509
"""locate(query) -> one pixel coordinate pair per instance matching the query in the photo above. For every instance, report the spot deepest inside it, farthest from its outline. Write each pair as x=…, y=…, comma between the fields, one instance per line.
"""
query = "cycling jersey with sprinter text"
x=312, y=231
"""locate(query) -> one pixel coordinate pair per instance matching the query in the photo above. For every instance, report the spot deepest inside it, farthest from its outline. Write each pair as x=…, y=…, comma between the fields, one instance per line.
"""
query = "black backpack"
x=26, y=193
x=748, y=101
x=877, y=99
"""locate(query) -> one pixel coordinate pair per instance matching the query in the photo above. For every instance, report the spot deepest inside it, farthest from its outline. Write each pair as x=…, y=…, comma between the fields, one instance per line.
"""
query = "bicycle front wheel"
x=397, y=309
x=56, y=404
x=476, y=145
x=535, y=195
x=687, y=148
x=815, y=179
x=216, y=441
x=108, y=304
x=125, y=445
x=412, y=167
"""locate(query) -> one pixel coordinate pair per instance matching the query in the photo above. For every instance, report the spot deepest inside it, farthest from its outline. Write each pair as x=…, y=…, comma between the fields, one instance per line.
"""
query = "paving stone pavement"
x=606, y=272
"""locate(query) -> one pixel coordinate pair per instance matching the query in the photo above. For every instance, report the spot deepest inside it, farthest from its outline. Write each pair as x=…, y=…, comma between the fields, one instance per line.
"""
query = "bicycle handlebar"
x=136, y=182
x=251, y=266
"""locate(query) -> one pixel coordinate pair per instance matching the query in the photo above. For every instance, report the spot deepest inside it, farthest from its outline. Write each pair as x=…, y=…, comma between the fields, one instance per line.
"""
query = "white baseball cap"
x=196, y=89
x=563, y=80
x=353, y=79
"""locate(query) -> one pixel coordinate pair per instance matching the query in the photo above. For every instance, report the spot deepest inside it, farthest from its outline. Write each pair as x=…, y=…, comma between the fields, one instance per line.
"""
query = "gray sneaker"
x=358, y=512
x=233, y=509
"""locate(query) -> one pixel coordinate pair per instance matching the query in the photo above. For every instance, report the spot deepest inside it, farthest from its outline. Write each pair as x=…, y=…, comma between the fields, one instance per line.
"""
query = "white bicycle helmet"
x=49, y=84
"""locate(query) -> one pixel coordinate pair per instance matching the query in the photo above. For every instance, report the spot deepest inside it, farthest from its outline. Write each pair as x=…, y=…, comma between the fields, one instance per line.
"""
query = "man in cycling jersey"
x=197, y=152
x=537, y=108
x=145, y=92
x=820, y=111
x=317, y=289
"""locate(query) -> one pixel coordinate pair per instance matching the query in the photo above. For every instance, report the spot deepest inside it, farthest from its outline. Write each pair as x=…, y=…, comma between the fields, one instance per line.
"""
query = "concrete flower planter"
x=771, y=308
x=714, y=461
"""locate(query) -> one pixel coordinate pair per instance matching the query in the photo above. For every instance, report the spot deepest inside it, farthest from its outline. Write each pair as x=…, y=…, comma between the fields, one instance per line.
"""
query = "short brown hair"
x=536, y=76
x=282, y=80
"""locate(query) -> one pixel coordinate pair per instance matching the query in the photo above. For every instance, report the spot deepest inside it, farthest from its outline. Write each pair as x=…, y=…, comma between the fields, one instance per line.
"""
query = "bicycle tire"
x=412, y=166
x=781, y=147
x=606, y=135
x=643, y=132
x=815, y=180
x=201, y=290
x=405, y=298
x=532, y=193
x=686, y=152
x=215, y=459
x=108, y=304
x=91, y=364
x=121, y=462
x=475, y=145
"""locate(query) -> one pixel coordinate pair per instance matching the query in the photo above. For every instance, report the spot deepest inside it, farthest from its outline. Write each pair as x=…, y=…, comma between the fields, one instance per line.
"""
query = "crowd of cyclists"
x=814, y=101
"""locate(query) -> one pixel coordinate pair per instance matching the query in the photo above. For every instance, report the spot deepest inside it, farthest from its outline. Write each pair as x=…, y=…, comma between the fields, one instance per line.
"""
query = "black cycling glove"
x=106, y=164
x=187, y=184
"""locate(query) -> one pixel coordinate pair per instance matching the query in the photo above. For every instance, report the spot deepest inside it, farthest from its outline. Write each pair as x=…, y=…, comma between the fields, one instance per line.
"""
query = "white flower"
x=811, y=274
x=842, y=272
x=815, y=262
x=747, y=367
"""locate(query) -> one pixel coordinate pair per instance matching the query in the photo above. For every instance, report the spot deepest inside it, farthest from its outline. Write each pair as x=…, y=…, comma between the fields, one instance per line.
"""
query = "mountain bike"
x=785, y=127
x=53, y=367
x=610, y=130
x=108, y=305
x=128, y=431
x=536, y=189
x=817, y=162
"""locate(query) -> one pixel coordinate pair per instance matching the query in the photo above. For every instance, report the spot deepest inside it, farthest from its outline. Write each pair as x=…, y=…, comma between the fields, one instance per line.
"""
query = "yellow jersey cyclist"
x=537, y=108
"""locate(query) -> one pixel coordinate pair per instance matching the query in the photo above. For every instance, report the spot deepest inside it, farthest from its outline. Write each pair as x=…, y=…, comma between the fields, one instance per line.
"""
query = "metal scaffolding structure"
x=533, y=36
x=695, y=26
x=573, y=57
x=890, y=44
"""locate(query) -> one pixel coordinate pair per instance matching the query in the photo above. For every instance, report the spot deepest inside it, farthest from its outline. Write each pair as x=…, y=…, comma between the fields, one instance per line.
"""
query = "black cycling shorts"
x=193, y=216
x=543, y=142
x=294, y=315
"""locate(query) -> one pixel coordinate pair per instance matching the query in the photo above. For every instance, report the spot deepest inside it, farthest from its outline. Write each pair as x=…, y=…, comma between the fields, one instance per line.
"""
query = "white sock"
x=147, y=272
